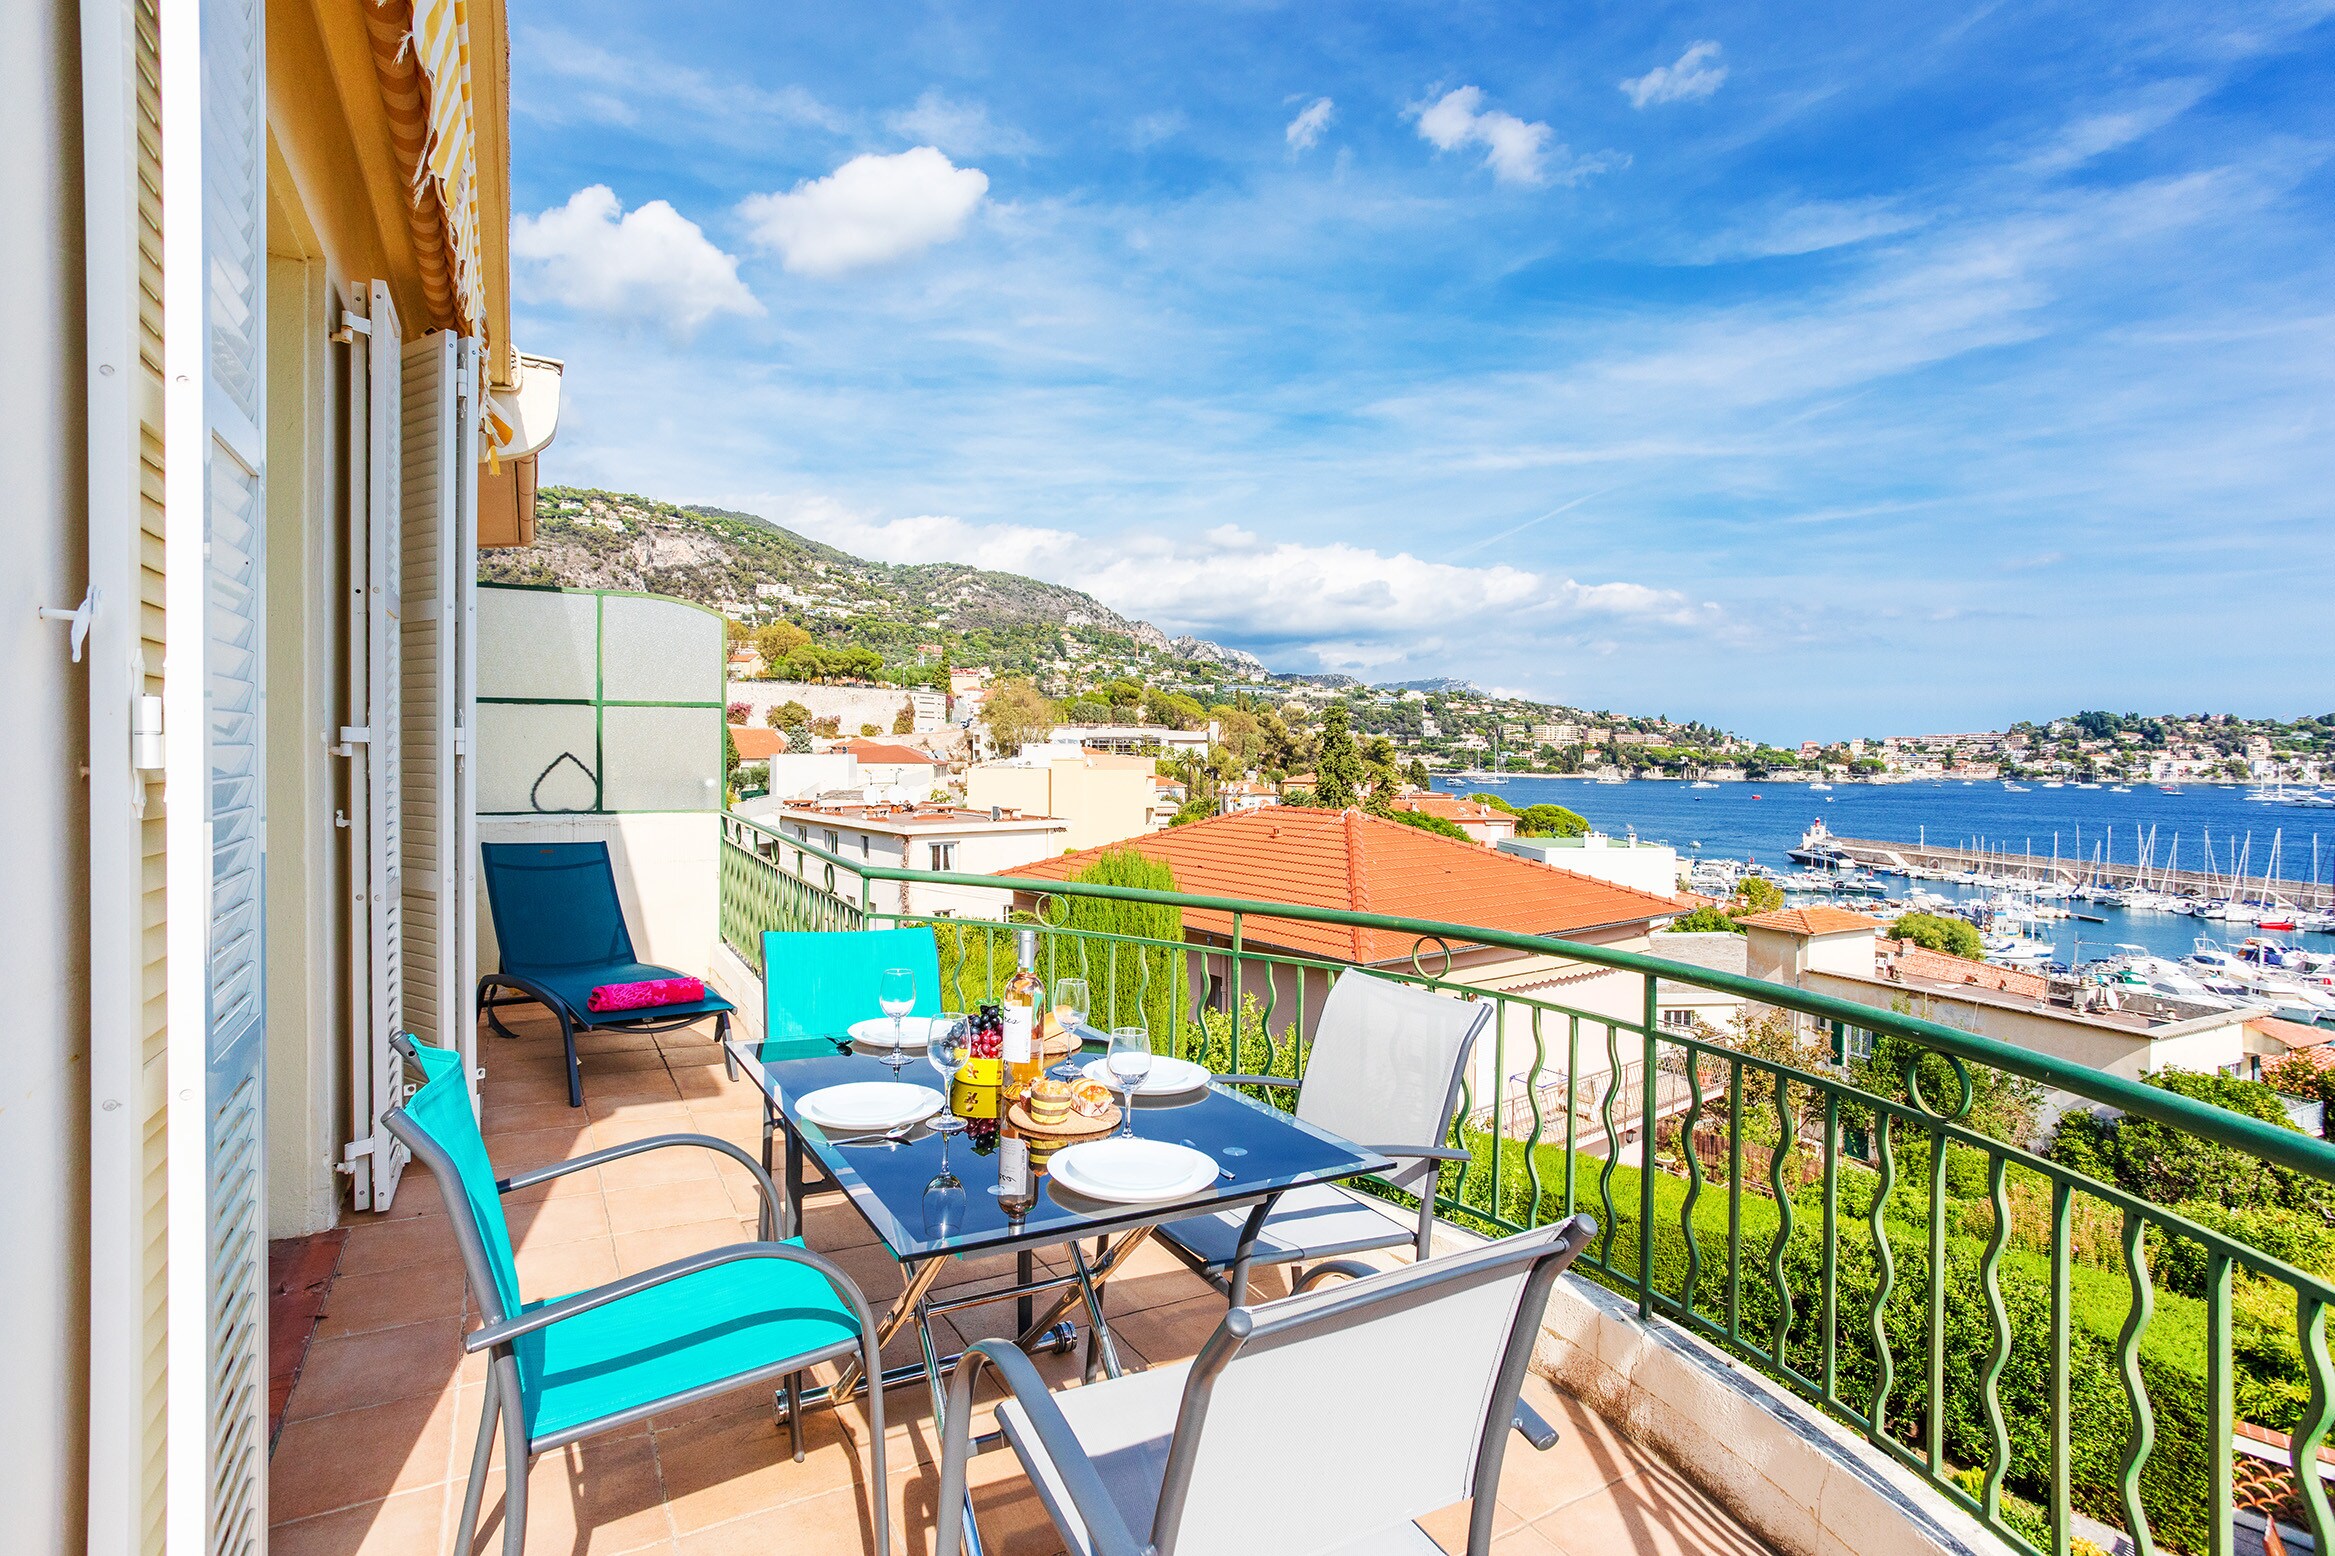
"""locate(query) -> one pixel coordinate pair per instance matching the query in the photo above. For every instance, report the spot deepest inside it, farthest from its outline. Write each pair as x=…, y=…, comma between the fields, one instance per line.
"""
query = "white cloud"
x=870, y=210
x=961, y=129
x=1516, y=150
x=651, y=263
x=1305, y=131
x=2094, y=135
x=1692, y=76
x=1345, y=605
x=1152, y=128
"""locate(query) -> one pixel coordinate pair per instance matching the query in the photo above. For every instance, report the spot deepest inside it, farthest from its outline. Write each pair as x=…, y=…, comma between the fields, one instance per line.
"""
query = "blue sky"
x=1812, y=371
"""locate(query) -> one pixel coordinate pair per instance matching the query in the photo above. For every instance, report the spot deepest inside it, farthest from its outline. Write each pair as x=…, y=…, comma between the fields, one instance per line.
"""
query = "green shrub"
x=1938, y=933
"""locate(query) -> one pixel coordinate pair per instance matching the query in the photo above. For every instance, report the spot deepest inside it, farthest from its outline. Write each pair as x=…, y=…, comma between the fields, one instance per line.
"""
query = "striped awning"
x=421, y=57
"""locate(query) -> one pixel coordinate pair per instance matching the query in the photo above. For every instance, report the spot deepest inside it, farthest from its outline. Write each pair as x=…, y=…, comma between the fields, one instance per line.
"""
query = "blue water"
x=1760, y=821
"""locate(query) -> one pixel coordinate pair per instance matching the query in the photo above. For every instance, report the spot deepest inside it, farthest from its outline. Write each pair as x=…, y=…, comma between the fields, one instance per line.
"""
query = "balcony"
x=1830, y=1309
x=378, y=1428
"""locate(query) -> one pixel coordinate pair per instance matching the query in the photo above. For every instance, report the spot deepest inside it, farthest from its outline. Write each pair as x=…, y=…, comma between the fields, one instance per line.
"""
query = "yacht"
x=2087, y=786
x=1702, y=783
x=1819, y=787
x=2117, y=788
x=2013, y=788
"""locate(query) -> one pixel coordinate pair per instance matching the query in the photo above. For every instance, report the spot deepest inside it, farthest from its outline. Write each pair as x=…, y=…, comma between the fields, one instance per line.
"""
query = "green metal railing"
x=1945, y=1292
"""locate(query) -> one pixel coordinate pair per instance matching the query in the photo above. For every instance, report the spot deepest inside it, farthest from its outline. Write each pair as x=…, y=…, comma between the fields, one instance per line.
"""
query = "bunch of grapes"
x=981, y=1134
x=989, y=1033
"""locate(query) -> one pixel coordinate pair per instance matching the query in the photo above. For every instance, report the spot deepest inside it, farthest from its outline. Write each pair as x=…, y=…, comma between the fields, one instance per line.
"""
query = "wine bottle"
x=1022, y=1068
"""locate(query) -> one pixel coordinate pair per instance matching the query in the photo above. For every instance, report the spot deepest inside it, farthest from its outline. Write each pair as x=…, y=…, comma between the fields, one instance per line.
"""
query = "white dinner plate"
x=1132, y=1171
x=1168, y=1076
x=915, y=1031
x=862, y=1106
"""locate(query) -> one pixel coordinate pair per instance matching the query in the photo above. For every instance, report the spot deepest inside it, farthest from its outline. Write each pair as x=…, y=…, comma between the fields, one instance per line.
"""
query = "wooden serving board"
x=1076, y=1126
x=1059, y=1045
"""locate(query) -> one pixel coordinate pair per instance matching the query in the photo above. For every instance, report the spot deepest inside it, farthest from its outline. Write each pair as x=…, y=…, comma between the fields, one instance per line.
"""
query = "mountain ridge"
x=752, y=568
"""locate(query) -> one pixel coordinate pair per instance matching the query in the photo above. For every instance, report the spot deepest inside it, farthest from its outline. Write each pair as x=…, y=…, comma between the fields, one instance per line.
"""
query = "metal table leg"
x=935, y=1371
x=920, y=1279
x=1099, y=1329
x=1088, y=1289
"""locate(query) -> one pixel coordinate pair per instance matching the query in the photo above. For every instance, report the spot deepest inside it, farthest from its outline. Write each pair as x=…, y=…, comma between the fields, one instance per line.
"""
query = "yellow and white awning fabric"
x=421, y=57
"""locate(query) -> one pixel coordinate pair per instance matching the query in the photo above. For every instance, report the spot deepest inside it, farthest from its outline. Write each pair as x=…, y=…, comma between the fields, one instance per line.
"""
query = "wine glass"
x=1073, y=996
x=1129, y=1062
x=896, y=996
x=950, y=1046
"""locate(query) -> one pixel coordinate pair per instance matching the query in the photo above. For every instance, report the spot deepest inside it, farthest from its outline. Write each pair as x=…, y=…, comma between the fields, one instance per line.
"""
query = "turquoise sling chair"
x=815, y=984
x=560, y=928
x=573, y=1367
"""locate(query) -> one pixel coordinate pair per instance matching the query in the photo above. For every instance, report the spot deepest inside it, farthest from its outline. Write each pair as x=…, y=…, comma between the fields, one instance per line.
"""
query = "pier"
x=1938, y=859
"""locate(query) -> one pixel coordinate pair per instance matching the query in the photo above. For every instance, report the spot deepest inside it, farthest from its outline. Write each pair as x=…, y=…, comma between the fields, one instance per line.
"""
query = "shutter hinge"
x=146, y=745
x=352, y=325
x=352, y=736
x=461, y=741
x=352, y=1153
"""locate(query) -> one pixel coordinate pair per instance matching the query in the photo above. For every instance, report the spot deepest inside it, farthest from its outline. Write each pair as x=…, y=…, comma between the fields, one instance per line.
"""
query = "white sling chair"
x=1384, y=1072
x=1326, y=1422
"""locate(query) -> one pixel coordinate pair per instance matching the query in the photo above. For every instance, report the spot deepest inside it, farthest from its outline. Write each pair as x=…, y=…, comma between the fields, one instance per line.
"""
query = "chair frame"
x=531, y=992
x=1232, y=1278
x=500, y=1331
x=1106, y=1529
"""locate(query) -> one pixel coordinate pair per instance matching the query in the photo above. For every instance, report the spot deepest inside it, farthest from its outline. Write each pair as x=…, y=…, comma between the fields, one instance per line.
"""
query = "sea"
x=1760, y=821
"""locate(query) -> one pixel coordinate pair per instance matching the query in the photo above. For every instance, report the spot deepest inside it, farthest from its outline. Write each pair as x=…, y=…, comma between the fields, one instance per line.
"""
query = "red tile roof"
x=756, y=744
x=1811, y=921
x=886, y=754
x=1453, y=808
x=1345, y=859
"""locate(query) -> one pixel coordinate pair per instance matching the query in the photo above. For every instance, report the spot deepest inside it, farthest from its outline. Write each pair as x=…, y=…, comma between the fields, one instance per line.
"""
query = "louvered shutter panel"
x=129, y=870
x=224, y=293
x=428, y=640
x=375, y=746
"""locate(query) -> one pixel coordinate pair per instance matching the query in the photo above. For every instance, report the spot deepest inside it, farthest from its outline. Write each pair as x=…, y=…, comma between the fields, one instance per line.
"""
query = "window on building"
x=943, y=855
x=1860, y=1044
x=834, y=841
x=1678, y=1018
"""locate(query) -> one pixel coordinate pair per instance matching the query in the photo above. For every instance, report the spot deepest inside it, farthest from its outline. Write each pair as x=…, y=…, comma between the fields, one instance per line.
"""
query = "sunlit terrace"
x=377, y=1430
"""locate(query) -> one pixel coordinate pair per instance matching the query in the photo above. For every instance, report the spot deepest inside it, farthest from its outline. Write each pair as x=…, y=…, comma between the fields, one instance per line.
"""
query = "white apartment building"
x=949, y=838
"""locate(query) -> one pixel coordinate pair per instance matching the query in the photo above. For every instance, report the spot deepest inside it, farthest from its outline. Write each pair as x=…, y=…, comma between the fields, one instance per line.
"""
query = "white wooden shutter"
x=214, y=249
x=129, y=870
x=371, y=741
x=429, y=632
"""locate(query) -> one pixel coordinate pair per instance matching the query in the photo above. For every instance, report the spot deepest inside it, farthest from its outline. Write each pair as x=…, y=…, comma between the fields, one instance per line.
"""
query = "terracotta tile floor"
x=377, y=1432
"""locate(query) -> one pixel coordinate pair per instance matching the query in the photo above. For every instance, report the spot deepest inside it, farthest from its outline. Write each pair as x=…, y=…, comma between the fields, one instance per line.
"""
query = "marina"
x=2137, y=858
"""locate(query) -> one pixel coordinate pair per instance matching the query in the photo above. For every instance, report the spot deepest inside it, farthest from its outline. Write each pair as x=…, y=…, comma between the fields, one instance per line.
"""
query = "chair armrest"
x=1533, y=1428
x=1438, y=1153
x=1106, y=1529
x=533, y=1175
x=509, y=1329
x=1259, y=1080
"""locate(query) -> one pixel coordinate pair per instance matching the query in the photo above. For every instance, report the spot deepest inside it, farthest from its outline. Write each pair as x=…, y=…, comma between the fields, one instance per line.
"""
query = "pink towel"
x=641, y=996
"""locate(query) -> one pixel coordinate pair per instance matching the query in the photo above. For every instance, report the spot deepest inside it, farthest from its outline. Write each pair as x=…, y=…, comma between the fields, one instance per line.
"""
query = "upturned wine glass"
x=1129, y=1062
x=896, y=996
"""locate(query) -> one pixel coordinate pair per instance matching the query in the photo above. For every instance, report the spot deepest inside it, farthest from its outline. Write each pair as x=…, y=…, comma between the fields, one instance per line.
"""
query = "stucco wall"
x=668, y=876
x=44, y=914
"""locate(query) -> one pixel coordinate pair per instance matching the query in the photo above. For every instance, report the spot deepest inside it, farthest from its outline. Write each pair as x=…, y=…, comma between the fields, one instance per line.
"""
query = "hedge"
x=2175, y=1481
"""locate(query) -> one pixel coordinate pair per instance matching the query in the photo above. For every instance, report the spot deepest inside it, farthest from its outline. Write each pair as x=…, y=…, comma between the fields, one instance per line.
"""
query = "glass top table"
x=926, y=1218
x=1260, y=1152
